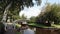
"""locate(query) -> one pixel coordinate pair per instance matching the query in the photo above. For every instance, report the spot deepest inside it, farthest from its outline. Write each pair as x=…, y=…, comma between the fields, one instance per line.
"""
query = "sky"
x=35, y=10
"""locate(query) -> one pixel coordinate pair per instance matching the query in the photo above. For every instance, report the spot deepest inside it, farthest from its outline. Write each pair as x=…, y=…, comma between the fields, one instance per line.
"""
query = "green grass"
x=43, y=26
x=56, y=25
x=38, y=25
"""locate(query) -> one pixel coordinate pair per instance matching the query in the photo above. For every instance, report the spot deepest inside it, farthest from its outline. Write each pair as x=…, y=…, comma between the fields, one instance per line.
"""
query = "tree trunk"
x=5, y=12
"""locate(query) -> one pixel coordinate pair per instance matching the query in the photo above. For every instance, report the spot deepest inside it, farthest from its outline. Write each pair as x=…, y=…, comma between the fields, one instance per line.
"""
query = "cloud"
x=33, y=11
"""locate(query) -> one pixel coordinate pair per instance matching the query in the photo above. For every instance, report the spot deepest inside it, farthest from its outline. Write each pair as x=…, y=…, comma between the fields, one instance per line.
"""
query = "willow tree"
x=16, y=6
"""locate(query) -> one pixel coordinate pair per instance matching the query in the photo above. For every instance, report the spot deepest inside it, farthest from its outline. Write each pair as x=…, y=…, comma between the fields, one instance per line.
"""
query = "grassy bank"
x=43, y=26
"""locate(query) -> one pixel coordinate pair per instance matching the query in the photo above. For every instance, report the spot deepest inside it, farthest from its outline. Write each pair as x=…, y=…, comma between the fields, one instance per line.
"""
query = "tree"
x=23, y=17
x=32, y=19
x=49, y=15
x=16, y=6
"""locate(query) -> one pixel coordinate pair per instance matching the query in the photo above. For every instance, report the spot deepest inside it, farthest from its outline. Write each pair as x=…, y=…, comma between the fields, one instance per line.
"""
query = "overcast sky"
x=35, y=10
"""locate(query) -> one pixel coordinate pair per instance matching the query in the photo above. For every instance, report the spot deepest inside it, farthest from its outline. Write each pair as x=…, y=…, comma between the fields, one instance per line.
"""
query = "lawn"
x=38, y=25
x=43, y=26
x=56, y=25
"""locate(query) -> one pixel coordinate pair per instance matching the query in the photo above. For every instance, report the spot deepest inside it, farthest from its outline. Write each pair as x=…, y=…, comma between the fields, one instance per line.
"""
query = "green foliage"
x=51, y=13
x=16, y=7
x=17, y=4
x=23, y=17
x=32, y=19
